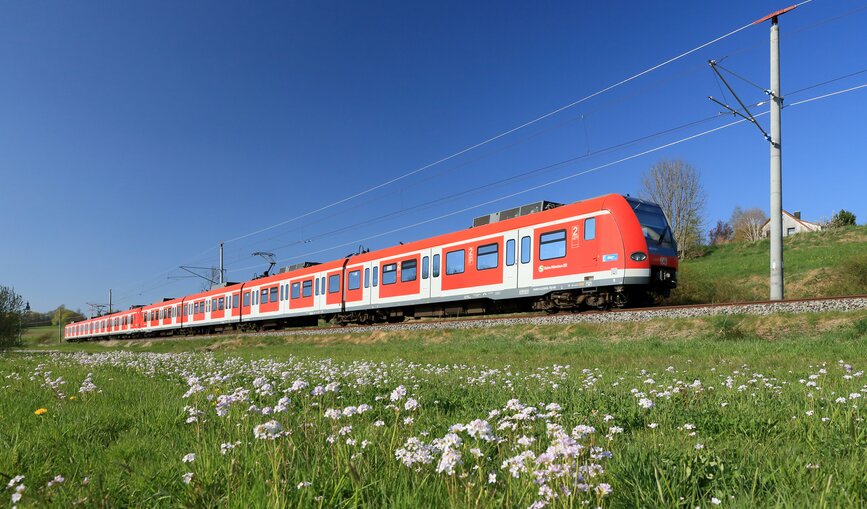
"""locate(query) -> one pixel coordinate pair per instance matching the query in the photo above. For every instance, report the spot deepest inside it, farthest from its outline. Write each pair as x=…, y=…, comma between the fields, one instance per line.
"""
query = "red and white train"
x=609, y=251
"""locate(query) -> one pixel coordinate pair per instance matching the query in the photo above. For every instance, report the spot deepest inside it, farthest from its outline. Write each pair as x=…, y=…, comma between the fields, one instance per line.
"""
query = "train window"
x=246, y=299
x=436, y=266
x=263, y=296
x=590, y=228
x=317, y=286
x=307, y=288
x=353, y=281
x=296, y=290
x=455, y=262
x=488, y=257
x=425, y=267
x=389, y=274
x=235, y=300
x=274, y=294
x=408, y=270
x=222, y=303
x=334, y=283
x=367, y=277
x=525, y=249
x=255, y=297
x=282, y=292
x=552, y=245
x=375, y=276
x=510, y=252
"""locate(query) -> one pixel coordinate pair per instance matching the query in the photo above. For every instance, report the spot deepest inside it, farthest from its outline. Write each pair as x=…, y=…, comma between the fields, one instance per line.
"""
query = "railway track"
x=813, y=305
x=846, y=303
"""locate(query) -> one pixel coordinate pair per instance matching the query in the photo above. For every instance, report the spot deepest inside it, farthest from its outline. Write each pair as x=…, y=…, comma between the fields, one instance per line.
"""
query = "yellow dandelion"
x=40, y=411
x=72, y=398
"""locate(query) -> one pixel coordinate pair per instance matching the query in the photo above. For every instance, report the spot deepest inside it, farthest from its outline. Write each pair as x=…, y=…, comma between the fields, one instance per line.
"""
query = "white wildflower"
x=267, y=431
x=398, y=393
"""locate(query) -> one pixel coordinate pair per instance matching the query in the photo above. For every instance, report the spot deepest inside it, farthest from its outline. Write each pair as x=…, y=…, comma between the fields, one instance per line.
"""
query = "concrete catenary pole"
x=776, y=234
x=777, y=292
x=221, y=265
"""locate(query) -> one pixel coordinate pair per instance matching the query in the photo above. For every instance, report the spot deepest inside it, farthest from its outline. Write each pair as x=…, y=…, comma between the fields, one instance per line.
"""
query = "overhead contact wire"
x=567, y=177
x=498, y=136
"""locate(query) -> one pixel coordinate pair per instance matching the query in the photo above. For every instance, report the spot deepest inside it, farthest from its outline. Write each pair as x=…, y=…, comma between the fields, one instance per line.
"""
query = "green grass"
x=43, y=335
x=750, y=413
x=826, y=263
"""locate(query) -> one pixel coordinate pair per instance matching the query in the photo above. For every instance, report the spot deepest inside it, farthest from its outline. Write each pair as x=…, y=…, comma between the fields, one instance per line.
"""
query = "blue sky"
x=135, y=136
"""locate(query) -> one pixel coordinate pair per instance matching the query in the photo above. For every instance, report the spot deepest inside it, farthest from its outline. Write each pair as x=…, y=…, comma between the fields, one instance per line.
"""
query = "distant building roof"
x=807, y=225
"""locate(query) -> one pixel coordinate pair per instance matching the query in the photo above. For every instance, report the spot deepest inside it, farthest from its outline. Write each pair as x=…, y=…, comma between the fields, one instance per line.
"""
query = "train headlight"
x=638, y=256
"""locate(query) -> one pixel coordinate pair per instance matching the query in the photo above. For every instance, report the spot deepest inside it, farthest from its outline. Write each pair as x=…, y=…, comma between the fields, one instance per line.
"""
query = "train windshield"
x=653, y=224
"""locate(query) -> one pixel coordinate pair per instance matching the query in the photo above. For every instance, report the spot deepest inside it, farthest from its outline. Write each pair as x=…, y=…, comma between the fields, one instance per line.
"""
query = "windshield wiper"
x=662, y=236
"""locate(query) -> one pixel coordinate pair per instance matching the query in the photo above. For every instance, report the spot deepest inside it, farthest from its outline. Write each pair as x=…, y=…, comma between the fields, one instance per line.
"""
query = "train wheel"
x=620, y=299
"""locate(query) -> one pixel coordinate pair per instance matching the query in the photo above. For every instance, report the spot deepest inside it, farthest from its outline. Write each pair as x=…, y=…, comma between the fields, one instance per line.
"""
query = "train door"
x=436, y=267
x=424, y=283
x=510, y=260
x=525, y=262
x=367, y=288
x=582, y=238
x=319, y=292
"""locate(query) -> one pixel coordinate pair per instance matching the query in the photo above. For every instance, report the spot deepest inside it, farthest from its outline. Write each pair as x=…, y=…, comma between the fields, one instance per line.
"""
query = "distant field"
x=741, y=411
x=820, y=264
x=48, y=334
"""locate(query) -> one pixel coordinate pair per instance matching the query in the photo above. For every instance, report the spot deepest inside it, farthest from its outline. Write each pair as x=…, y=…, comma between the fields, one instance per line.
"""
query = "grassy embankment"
x=741, y=410
x=772, y=421
x=820, y=264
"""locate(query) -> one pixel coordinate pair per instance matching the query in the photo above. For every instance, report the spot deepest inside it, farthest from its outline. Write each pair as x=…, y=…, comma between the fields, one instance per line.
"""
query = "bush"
x=11, y=308
x=842, y=218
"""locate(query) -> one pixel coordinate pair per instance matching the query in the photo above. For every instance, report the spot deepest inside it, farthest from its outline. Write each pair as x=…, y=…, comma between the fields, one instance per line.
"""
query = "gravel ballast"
x=638, y=315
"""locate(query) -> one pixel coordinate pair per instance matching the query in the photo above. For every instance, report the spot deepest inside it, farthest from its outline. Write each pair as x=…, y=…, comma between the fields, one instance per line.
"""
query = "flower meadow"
x=123, y=429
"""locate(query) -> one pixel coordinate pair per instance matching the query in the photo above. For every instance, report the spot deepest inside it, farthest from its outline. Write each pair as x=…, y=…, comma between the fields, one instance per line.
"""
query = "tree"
x=210, y=278
x=720, y=234
x=676, y=187
x=63, y=316
x=842, y=218
x=11, y=309
x=748, y=224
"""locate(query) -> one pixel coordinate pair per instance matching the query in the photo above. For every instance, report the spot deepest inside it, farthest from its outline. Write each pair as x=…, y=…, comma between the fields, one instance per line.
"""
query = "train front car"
x=654, y=246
